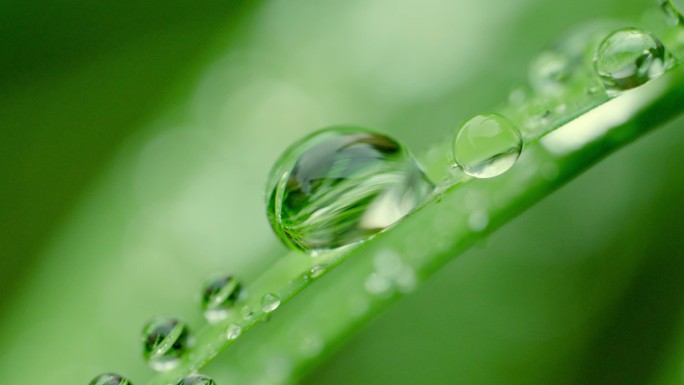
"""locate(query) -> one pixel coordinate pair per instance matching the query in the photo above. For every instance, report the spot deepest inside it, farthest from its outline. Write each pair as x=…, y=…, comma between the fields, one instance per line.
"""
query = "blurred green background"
x=135, y=138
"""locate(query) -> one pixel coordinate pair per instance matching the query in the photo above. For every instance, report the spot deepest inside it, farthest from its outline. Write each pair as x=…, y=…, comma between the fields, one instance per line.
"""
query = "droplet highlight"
x=196, y=379
x=270, y=302
x=629, y=58
x=165, y=340
x=340, y=186
x=110, y=379
x=219, y=295
x=487, y=145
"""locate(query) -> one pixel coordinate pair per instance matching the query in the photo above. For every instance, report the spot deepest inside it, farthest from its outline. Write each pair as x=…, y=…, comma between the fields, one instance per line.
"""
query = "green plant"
x=512, y=193
x=388, y=265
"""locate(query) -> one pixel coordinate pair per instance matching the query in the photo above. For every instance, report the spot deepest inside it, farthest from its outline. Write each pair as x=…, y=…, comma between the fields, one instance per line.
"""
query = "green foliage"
x=183, y=198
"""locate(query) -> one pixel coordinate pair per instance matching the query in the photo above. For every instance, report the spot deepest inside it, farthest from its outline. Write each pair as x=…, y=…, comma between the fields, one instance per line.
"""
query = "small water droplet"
x=233, y=331
x=593, y=89
x=550, y=71
x=219, y=295
x=628, y=58
x=316, y=271
x=487, y=145
x=164, y=342
x=556, y=69
x=478, y=221
x=270, y=302
x=674, y=10
x=196, y=379
x=247, y=313
x=340, y=186
x=110, y=379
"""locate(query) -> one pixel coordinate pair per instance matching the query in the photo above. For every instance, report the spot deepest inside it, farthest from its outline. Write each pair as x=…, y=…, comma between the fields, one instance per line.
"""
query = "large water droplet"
x=629, y=58
x=341, y=185
x=164, y=342
x=110, y=379
x=487, y=145
x=219, y=295
x=196, y=379
x=674, y=9
x=270, y=302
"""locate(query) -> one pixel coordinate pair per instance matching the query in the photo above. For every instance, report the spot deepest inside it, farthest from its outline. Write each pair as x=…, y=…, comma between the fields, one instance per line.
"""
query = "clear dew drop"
x=550, y=71
x=316, y=271
x=165, y=340
x=553, y=71
x=487, y=145
x=340, y=186
x=674, y=10
x=110, y=379
x=628, y=58
x=233, y=331
x=247, y=313
x=196, y=379
x=270, y=302
x=219, y=295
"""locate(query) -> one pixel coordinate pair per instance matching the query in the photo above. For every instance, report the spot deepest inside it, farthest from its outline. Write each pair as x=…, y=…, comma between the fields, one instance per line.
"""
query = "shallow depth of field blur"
x=135, y=141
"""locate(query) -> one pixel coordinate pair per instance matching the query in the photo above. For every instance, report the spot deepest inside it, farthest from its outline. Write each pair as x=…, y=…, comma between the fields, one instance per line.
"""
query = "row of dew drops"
x=341, y=185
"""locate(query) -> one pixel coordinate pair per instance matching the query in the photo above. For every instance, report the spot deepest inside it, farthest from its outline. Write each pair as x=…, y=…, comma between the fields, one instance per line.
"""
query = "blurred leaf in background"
x=135, y=142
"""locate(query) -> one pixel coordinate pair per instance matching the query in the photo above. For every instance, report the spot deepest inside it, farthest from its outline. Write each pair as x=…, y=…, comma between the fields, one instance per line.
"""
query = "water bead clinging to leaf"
x=233, y=331
x=549, y=71
x=196, y=379
x=247, y=313
x=628, y=58
x=164, y=342
x=219, y=294
x=341, y=185
x=110, y=379
x=487, y=145
x=555, y=69
x=270, y=302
